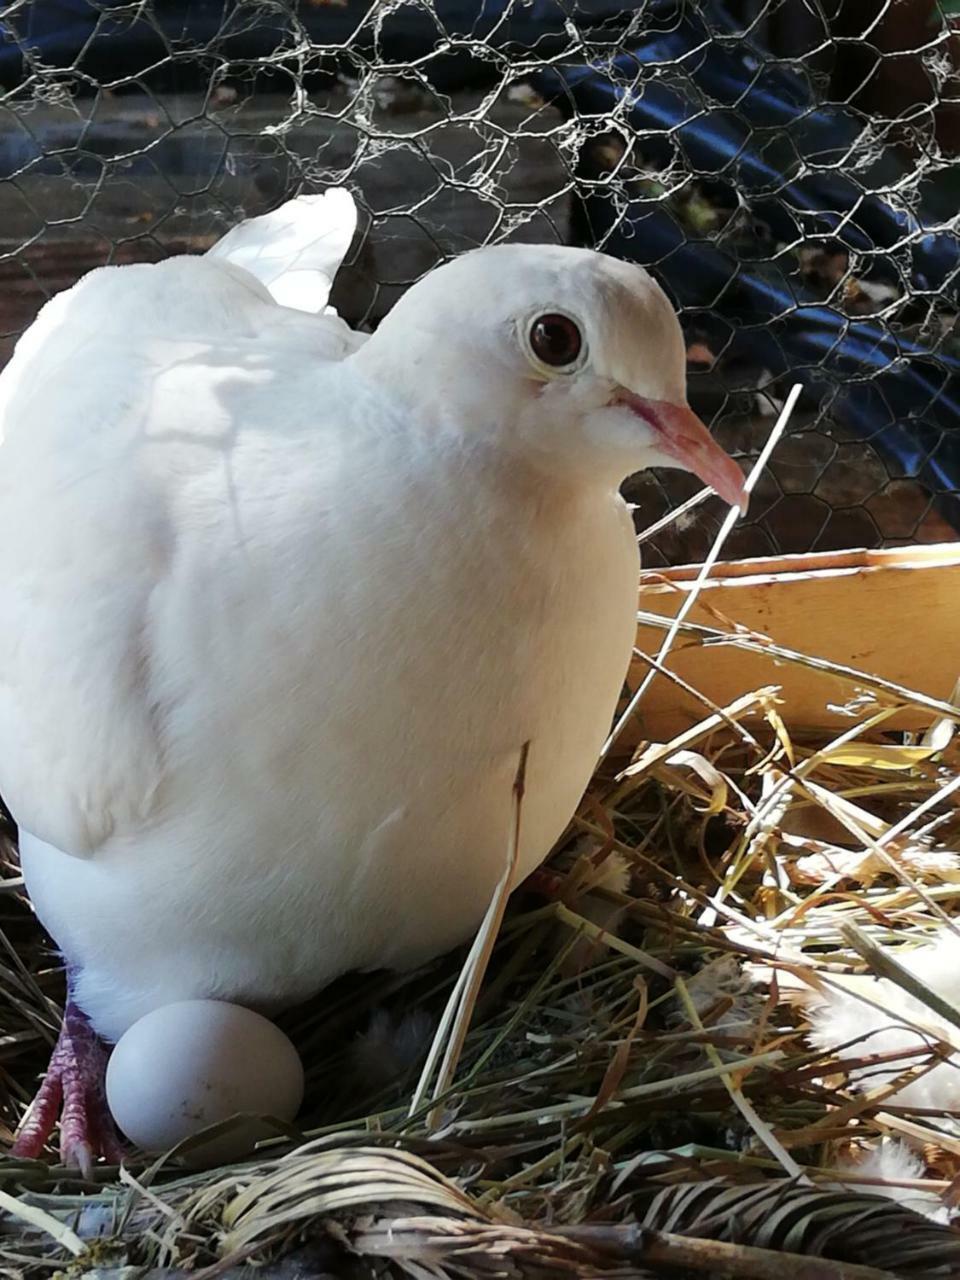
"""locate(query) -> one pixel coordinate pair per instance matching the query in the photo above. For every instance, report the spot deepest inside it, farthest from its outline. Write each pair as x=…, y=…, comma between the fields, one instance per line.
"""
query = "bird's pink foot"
x=73, y=1091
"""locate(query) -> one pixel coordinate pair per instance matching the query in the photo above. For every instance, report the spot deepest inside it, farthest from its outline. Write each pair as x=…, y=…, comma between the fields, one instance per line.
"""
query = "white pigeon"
x=282, y=605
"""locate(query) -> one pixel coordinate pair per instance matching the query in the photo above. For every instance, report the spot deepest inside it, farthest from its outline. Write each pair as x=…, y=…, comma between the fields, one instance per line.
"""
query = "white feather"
x=390, y=1047
x=853, y=1028
x=893, y=1163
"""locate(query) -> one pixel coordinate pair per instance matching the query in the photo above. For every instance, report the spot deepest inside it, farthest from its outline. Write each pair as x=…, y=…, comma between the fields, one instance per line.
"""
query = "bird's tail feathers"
x=296, y=250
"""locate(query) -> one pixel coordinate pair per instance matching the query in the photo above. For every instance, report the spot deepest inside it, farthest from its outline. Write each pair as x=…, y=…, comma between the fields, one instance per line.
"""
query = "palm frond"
x=787, y=1217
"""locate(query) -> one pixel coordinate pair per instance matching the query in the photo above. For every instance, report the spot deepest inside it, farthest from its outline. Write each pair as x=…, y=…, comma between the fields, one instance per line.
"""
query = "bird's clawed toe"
x=73, y=1092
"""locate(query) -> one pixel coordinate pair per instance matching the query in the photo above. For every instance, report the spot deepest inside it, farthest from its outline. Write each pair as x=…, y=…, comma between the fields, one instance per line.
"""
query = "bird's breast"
x=451, y=613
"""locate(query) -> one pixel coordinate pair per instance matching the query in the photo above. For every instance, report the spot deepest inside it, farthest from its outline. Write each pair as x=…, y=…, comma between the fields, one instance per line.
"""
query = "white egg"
x=187, y=1065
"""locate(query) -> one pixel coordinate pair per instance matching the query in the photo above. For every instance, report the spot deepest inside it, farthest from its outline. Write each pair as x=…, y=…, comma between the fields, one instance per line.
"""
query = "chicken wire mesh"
x=785, y=167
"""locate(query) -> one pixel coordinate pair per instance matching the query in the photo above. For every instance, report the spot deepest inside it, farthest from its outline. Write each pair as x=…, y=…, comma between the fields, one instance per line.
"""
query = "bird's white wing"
x=78, y=754
x=296, y=250
x=84, y=531
x=113, y=371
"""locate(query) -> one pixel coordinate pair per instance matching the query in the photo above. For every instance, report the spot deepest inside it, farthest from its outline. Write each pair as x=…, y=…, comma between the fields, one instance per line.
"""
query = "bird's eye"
x=555, y=340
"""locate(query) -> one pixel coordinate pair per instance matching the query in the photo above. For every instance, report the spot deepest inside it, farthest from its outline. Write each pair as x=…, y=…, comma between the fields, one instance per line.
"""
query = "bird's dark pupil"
x=555, y=340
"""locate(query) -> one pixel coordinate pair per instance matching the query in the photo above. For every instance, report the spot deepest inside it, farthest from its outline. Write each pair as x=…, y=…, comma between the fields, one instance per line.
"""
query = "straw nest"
x=639, y=1093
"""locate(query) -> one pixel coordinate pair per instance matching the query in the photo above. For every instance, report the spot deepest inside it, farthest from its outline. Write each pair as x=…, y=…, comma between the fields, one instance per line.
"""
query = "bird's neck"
x=455, y=392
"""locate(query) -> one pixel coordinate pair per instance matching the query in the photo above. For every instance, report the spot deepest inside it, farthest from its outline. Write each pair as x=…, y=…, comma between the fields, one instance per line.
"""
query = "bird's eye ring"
x=555, y=340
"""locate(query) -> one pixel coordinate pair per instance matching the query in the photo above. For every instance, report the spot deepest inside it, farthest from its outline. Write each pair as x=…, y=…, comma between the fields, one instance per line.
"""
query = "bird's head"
x=572, y=357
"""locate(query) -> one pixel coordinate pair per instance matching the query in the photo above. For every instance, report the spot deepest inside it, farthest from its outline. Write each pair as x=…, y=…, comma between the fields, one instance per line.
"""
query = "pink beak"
x=682, y=436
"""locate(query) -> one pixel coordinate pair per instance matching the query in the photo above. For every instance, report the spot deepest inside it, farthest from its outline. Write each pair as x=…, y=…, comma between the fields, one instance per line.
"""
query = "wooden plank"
x=893, y=613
